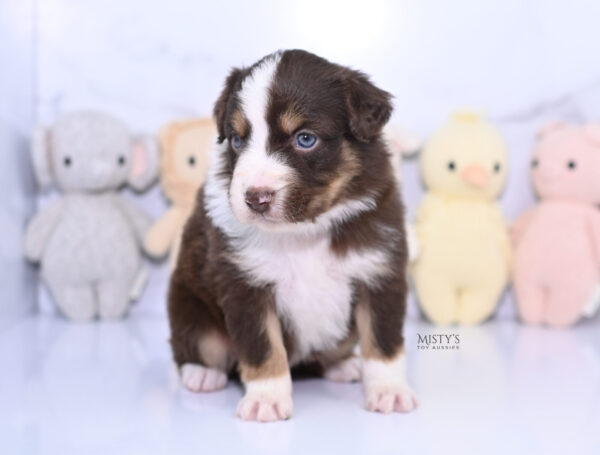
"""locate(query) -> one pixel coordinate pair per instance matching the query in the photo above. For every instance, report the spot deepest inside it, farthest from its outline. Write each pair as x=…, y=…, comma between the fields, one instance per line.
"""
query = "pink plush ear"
x=551, y=128
x=140, y=160
x=144, y=162
x=592, y=131
x=401, y=141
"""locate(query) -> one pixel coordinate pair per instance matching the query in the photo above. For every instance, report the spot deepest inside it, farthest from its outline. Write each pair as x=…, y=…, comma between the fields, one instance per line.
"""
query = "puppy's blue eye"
x=236, y=142
x=306, y=140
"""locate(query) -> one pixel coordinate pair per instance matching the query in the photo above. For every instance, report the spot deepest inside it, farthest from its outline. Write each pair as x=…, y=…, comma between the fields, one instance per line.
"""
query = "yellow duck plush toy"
x=185, y=148
x=464, y=258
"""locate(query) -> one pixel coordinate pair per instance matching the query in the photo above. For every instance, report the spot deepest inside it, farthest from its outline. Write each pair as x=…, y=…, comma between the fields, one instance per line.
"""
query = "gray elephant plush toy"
x=88, y=242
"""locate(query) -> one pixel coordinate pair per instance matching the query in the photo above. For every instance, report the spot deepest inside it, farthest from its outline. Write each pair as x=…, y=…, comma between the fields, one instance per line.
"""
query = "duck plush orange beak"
x=475, y=175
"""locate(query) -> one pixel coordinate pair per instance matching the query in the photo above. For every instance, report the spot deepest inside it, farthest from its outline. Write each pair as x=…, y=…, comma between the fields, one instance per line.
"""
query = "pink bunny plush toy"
x=557, y=243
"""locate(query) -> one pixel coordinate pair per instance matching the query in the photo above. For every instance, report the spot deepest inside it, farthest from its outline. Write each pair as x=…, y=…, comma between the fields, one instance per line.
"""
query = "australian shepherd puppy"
x=296, y=249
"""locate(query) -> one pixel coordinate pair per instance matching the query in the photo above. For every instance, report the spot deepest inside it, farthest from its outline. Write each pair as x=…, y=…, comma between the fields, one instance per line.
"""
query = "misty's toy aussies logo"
x=438, y=342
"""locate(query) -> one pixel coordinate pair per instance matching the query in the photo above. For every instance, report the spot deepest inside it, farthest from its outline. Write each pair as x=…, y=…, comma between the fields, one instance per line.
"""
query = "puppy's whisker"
x=284, y=186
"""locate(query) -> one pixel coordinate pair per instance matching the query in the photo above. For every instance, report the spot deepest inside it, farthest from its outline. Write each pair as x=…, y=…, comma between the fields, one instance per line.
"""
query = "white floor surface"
x=111, y=388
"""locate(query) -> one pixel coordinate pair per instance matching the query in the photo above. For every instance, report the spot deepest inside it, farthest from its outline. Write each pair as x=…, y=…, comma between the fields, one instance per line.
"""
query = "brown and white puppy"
x=296, y=248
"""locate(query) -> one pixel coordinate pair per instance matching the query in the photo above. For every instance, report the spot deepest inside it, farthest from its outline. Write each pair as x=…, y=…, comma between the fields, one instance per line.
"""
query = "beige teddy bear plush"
x=185, y=147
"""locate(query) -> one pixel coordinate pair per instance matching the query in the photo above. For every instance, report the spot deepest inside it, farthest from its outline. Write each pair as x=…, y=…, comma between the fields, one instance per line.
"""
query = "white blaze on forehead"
x=254, y=97
x=255, y=167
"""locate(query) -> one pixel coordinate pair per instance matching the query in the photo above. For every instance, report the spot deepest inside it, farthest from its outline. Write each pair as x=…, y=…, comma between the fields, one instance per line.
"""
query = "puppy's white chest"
x=313, y=295
x=313, y=288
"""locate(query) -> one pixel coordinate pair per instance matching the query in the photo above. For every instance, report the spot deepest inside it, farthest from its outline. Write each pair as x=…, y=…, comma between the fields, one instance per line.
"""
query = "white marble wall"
x=17, y=200
x=523, y=63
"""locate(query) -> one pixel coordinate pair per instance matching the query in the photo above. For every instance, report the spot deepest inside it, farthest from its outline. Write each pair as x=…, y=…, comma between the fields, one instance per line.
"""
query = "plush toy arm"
x=504, y=233
x=138, y=219
x=595, y=233
x=519, y=226
x=40, y=229
x=507, y=245
x=161, y=235
x=430, y=204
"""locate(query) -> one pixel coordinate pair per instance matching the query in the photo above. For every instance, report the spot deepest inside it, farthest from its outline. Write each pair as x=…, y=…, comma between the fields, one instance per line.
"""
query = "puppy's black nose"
x=259, y=199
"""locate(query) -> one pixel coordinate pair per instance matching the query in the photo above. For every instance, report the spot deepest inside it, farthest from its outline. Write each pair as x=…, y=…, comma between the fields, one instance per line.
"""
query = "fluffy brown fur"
x=211, y=293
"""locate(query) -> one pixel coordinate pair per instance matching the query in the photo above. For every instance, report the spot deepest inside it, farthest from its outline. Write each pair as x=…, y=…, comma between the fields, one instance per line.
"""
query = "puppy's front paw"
x=263, y=408
x=386, y=388
x=390, y=398
x=198, y=378
x=267, y=400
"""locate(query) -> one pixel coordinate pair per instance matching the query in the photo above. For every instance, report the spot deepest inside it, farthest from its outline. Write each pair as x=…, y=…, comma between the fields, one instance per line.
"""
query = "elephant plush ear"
x=550, y=128
x=144, y=162
x=40, y=156
x=592, y=130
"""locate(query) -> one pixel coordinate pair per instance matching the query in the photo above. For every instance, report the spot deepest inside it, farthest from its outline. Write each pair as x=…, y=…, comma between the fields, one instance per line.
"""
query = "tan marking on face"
x=276, y=364
x=239, y=123
x=290, y=121
x=349, y=168
x=368, y=345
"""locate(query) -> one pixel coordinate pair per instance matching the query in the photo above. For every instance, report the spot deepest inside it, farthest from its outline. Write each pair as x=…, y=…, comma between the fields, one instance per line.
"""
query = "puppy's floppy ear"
x=369, y=108
x=220, y=109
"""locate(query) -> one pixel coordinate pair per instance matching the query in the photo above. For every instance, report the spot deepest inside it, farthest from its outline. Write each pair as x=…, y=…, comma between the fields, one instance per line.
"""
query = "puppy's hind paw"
x=348, y=370
x=198, y=378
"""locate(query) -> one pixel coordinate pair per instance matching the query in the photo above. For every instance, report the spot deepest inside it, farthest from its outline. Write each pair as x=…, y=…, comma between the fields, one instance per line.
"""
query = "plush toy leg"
x=113, y=298
x=477, y=304
x=437, y=298
x=76, y=302
x=565, y=303
x=531, y=300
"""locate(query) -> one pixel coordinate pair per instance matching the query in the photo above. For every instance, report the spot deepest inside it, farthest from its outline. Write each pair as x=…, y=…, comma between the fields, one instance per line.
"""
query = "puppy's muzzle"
x=259, y=199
